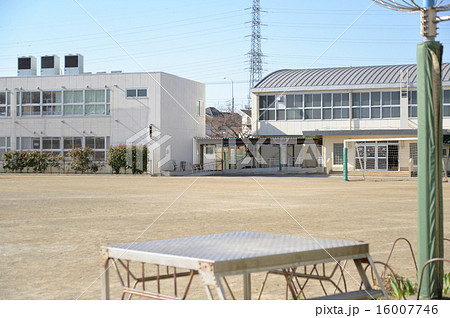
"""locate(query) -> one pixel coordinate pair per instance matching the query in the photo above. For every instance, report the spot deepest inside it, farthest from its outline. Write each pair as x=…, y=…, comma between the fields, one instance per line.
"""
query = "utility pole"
x=232, y=94
x=255, y=54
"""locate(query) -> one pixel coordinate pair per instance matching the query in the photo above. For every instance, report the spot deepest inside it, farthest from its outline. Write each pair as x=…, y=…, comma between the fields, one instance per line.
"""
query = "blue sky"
x=208, y=40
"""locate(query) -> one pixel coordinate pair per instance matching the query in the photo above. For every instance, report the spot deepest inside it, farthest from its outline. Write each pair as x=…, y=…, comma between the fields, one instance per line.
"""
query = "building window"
x=97, y=102
x=367, y=105
x=412, y=104
x=70, y=143
x=413, y=152
x=209, y=150
x=313, y=104
x=361, y=105
x=51, y=103
x=30, y=103
x=28, y=143
x=267, y=107
x=5, y=145
x=136, y=92
x=325, y=106
x=99, y=145
x=51, y=145
x=73, y=102
x=62, y=145
x=446, y=103
x=5, y=102
x=375, y=105
x=67, y=103
x=390, y=104
x=200, y=108
x=294, y=107
x=338, y=154
x=340, y=105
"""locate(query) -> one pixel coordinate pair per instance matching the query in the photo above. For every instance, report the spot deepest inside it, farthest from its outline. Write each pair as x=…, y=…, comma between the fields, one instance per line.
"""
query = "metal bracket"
x=206, y=271
x=428, y=25
x=105, y=255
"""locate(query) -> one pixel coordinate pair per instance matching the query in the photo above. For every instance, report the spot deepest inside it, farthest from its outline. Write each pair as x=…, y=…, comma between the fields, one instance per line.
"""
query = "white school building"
x=54, y=112
x=376, y=106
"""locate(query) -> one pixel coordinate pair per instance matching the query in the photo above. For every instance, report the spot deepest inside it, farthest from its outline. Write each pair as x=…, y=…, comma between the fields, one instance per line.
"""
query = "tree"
x=223, y=124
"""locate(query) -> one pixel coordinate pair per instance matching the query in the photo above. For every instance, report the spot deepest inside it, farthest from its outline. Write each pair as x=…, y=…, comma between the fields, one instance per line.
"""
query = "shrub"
x=15, y=161
x=55, y=161
x=137, y=157
x=82, y=160
x=117, y=158
x=38, y=161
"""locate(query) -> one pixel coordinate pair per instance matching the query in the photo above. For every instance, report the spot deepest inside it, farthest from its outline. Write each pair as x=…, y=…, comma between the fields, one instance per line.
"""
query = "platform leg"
x=362, y=274
x=380, y=282
x=220, y=289
x=208, y=292
x=105, y=281
x=247, y=287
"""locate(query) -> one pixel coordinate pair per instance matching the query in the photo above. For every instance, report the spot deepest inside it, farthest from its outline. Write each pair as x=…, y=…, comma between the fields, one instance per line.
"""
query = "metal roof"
x=344, y=76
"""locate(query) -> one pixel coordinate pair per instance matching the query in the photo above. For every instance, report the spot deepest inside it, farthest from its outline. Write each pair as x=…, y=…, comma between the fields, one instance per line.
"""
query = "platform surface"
x=239, y=251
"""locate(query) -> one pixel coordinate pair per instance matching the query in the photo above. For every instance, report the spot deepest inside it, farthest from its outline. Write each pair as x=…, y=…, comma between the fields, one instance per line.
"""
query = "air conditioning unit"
x=26, y=66
x=50, y=65
x=73, y=64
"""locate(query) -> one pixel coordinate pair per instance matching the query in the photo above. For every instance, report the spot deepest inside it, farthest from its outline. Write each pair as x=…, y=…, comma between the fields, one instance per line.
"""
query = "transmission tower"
x=255, y=54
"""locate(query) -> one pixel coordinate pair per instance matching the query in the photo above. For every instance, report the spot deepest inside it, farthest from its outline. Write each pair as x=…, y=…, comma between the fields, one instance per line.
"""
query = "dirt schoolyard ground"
x=52, y=226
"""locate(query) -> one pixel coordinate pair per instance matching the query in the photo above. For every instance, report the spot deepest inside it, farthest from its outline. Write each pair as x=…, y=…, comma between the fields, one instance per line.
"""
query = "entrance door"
x=393, y=157
x=376, y=156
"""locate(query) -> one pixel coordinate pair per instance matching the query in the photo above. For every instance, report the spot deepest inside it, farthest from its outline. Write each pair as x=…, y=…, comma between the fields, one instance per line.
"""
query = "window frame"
x=136, y=90
x=314, y=104
x=412, y=107
x=53, y=104
x=446, y=102
x=6, y=147
x=6, y=105
x=62, y=149
x=30, y=105
x=61, y=108
x=338, y=160
x=200, y=108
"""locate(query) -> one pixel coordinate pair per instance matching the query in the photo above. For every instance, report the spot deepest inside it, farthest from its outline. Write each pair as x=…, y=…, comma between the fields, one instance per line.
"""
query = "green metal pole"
x=224, y=160
x=429, y=177
x=279, y=158
x=345, y=164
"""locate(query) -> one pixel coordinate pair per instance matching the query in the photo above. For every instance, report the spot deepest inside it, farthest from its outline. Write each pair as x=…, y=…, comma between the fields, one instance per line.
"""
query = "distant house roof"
x=344, y=77
x=248, y=112
x=212, y=111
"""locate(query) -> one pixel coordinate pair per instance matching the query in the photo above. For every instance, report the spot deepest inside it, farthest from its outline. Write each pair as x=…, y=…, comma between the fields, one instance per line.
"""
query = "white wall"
x=128, y=115
x=179, y=117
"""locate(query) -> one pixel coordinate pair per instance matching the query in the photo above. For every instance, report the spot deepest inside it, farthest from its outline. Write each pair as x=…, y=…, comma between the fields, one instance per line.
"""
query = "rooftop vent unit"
x=26, y=66
x=50, y=65
x=73, y=64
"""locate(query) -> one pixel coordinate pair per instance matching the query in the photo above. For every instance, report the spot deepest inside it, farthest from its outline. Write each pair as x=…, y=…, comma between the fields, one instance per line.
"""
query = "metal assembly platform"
x=214, y=257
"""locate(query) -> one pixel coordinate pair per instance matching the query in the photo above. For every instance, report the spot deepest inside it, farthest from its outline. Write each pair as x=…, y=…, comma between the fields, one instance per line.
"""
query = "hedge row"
x=81, y=160
x=17, y=161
